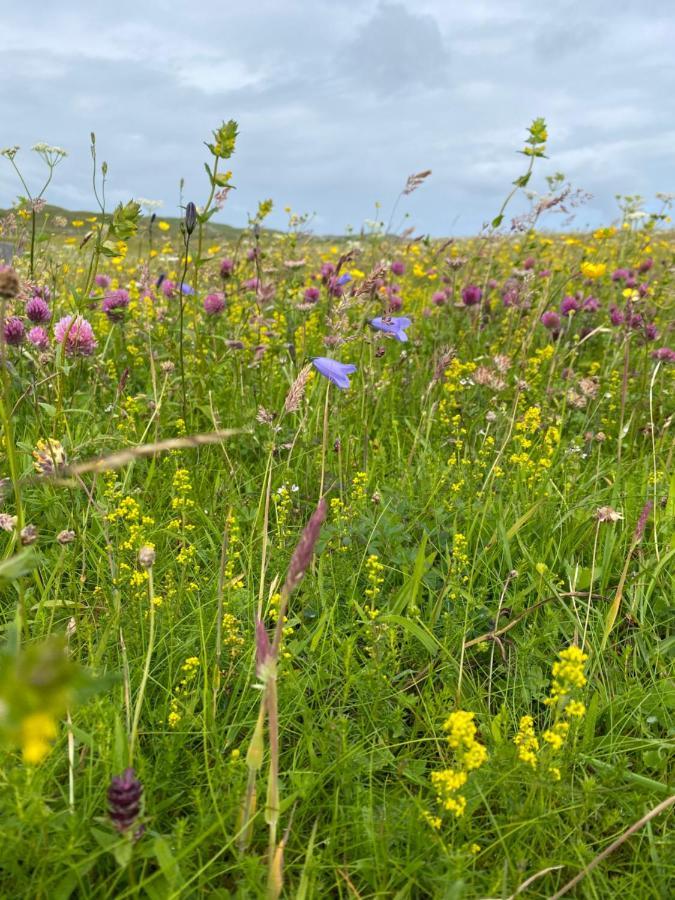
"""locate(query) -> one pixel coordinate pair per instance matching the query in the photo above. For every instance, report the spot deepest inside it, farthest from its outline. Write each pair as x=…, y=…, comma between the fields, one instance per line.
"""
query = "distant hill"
x=212, y=229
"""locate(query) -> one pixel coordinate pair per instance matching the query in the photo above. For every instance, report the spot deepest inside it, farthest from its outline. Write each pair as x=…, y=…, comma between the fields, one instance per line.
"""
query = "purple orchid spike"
x=394, y=325
x=334, y=371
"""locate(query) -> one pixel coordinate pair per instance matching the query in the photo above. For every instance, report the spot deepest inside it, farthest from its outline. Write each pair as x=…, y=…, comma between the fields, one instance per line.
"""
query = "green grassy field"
x=469, y=693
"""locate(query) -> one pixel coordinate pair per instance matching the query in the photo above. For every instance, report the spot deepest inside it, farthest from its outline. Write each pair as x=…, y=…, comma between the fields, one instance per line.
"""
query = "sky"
x=338, y=101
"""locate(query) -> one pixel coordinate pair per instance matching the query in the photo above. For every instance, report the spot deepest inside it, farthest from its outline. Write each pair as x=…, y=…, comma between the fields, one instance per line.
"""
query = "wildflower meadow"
x=334, y=567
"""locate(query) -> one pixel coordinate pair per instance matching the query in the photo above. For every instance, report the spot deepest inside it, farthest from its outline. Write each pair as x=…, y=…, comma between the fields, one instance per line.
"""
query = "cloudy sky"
x=338, y=101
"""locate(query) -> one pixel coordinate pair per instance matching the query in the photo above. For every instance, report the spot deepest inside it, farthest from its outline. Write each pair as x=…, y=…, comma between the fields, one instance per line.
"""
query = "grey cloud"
x=397, y=49
x=339, y=102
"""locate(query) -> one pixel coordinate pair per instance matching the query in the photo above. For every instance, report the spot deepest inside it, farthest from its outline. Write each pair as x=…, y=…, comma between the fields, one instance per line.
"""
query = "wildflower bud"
x=168, y=367
x=124, y=798
x=190, y=217
x=337, y=446
x=146, y=557
x=9, y=283
x=28, y=535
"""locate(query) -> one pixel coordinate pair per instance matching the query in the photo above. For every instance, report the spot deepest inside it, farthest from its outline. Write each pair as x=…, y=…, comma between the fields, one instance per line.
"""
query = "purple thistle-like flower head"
x=311, y=294
x=14, y=331
x=651, y=331
x=646, y=265
x=591, y=304
x=327, y=271
x=397, y=267
x=664, y=354
x=334, y=371
x=39, y=337
x=77, y=334
x=166, y=286
x=616, y=316
x=124, y=798
x=226, y=267
x=37, y=310
x=42, y=291
x=439, y=298
x=471, y=295
x=569, y=305
x=551, y=320
x=394, y=325
x=620, y=274
x=114, y=304
x=102, y=281
x=214, y=304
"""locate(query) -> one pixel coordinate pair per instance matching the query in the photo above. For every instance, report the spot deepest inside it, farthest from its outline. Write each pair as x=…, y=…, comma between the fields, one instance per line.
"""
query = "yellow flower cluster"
x=189, y=673
x=358, y=492
x=233, y=553
x=469, y=754
x=456, y=376
x=374, y=569
x=568, y=676
x=283, y=504
x=526, y=741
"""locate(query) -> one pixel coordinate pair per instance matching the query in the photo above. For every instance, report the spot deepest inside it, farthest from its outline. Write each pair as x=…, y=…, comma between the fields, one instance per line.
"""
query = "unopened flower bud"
x=146, y=557
x=9, y=283
x=28, y=535
x=190, y=217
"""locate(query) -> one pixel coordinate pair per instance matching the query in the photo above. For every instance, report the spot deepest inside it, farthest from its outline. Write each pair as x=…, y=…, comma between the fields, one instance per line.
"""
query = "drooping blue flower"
x=334, y=371
x=394, y=325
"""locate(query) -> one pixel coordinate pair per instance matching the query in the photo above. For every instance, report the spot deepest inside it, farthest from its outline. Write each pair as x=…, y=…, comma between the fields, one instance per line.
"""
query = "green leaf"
x=122, y=853
x=523, y=180
x=409, y=591
x=415, y=629
x=20, y=564
x=48, y=409
x=109, y=248
x=167, y=861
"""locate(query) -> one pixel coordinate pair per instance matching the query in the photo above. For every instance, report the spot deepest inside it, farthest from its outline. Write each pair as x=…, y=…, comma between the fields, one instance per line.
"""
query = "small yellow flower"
x=37, y=732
